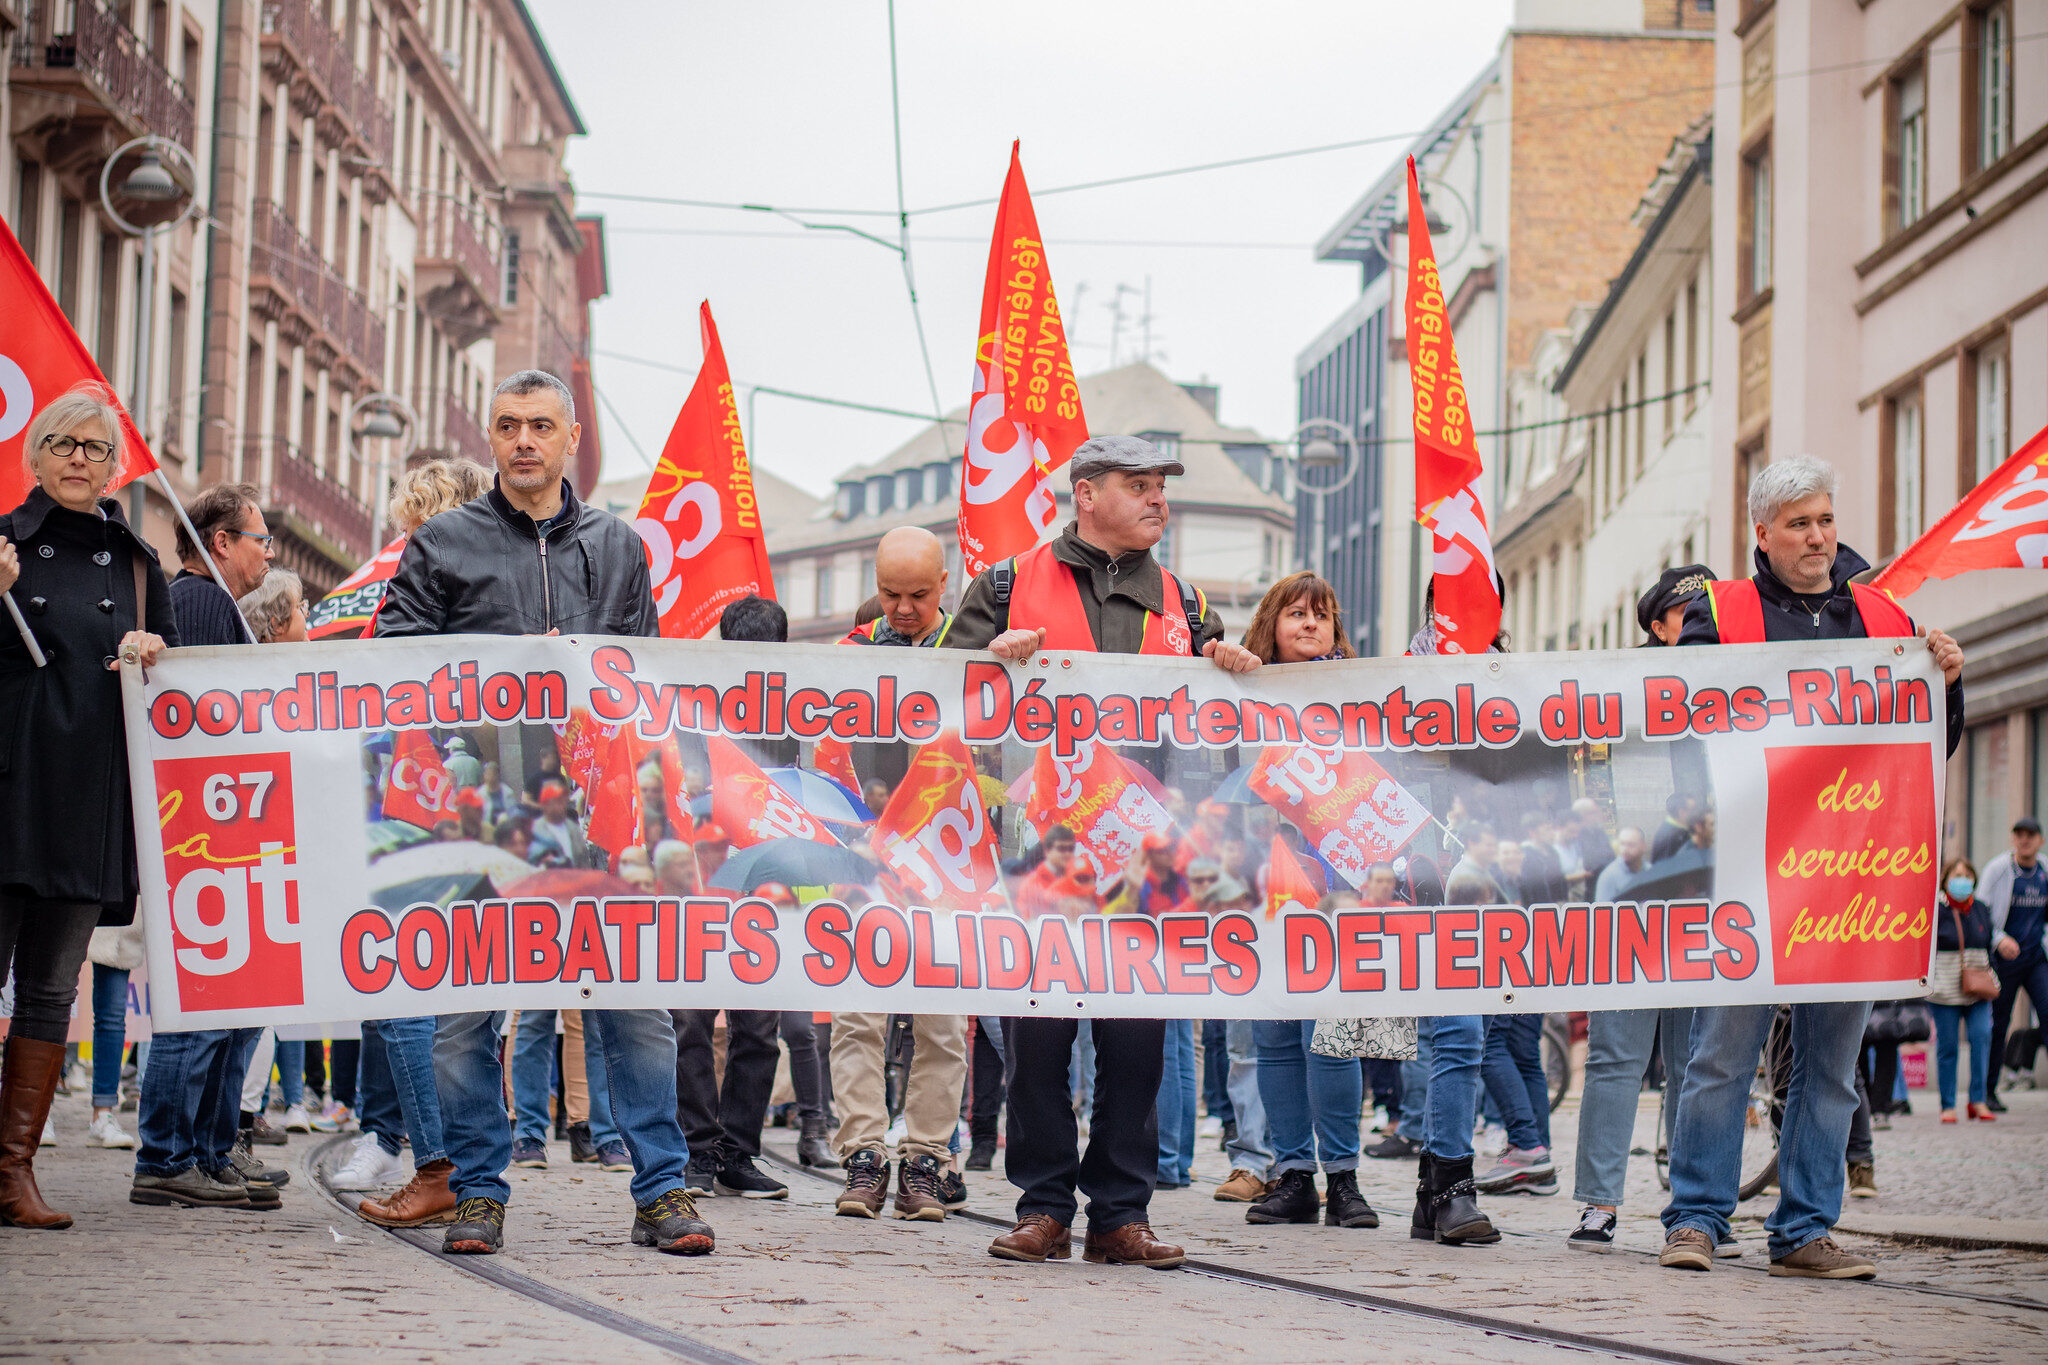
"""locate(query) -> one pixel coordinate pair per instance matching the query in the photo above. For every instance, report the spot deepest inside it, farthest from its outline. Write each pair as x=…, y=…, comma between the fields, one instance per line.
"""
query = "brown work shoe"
x=1687, y=1248
x=1242, y=1188
x=1037, y=1237
x=425, y=1199
x=917, y=1190
x=1821, y=1259
x=867, y=1186
x=1863, y=1180
x=1131, y=1244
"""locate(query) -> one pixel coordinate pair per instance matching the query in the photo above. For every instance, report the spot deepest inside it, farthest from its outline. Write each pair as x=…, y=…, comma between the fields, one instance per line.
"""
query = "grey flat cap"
x=1100, y=455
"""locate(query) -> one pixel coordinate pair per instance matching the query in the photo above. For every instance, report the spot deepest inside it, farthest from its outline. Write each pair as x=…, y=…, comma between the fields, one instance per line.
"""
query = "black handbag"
x=1898, y=1021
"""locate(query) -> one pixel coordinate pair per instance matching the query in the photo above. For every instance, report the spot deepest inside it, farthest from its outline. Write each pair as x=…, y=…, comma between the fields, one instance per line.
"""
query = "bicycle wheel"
x=1766, y=1111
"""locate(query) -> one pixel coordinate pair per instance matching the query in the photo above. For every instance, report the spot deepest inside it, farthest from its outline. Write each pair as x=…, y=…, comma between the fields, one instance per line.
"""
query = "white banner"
x=393, y=828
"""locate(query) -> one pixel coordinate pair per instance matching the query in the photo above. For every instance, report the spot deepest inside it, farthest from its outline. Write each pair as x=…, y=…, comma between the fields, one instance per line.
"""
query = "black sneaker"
x=613, y=1156
x=700, y=1177
x=1595, y=1231
x=263, y=1195
x=982, y=1155
x=1293, y=1200
x=671, y=1224
x=953, y=1190
x=1394, y=1147
x=1345, y=1207
x=740, y=1176
x=1992, y=1102
x=581, y=1148
x=478, y=1229
x=530, y=1154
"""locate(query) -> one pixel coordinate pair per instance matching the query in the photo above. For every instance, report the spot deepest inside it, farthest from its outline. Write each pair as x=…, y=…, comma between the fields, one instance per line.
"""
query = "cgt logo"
x=230, y=844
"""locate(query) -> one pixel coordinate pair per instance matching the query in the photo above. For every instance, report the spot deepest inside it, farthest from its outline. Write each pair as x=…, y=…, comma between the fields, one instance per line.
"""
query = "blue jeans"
x=1706, y=1139
x=1456, y=1042
x=533, y=1078
x=1177, y=1092
x=110, y=1033
x=1512, y=1068
x=1250, y=1150
x=1617, y=1054
x=1312, y=1101
x=1415, y=1085
x=1216, y=1071
x=639, y=1053
x=1975, y=1019
x=291, y=1071
x=191, y=1100
x=397, y=1089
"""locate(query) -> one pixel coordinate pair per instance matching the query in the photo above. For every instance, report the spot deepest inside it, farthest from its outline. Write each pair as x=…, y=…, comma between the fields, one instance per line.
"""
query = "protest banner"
x=274, y=893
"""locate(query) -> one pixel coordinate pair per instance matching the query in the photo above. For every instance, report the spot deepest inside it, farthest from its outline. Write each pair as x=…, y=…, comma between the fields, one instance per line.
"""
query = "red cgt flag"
x=750, y=807
x=1024, y=419
x=1288, y=882
x=350, y=611
x=935, y=833
x=2002, y=524
x=1098, y=796
x=1351, y=808
x=419, y=790
x=705, y=545
x=41, y=357
x=1447, y=464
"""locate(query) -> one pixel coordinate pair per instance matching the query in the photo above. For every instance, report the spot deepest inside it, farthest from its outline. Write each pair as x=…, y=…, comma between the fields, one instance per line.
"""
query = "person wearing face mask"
x=1962, y=961
x=93, y=597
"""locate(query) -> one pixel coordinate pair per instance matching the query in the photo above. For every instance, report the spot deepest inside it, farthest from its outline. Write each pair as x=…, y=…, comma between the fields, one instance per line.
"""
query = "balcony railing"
x=447, y=234
x=460, y=435
x=288, y=257
x=297, y=487
x=101, y=48
x=323, y=55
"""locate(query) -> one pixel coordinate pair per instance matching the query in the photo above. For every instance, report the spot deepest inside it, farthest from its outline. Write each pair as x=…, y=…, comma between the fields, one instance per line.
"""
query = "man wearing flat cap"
x=1094, y=587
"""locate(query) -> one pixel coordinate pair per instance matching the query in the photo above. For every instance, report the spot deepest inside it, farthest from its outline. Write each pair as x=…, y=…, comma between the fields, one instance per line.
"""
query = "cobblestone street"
x=792, y=1283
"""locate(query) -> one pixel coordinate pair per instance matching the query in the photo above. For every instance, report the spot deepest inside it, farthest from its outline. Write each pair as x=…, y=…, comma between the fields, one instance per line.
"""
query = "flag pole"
x=35, y=651
x=212, y=568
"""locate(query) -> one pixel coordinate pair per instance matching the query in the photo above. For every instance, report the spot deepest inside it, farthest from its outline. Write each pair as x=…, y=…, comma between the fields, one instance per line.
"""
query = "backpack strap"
x=1194, y=608
x=1001, y=578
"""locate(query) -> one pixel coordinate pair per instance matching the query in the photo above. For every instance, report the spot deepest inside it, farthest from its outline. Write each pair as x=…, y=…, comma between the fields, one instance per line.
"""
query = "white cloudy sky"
x=785, y=103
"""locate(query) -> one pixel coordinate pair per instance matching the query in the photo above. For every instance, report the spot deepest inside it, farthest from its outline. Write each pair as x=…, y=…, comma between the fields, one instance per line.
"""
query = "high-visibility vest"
x=865, y=635
x=1044, y=595
x=1739, y=612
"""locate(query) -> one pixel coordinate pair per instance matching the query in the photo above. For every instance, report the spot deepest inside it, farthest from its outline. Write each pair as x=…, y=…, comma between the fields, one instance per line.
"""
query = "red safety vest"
x=1739, y=612
x=1044, y=594
x=865, y=635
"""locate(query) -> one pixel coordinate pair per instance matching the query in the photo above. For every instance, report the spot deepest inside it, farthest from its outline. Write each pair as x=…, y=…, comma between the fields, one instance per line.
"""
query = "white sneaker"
x=49, y=1132
x=297, y=1120
x=1209, y=1127
x=370, y=1167
x=106, y=1131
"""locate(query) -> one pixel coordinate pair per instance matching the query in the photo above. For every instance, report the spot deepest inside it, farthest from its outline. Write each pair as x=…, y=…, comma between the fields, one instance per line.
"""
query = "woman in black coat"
x=67, y=830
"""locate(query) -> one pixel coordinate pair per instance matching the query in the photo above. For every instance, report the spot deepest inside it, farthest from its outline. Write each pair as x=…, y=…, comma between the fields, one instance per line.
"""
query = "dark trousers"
x=1122, y=1160
x=986, y=1065
x=2028, y=972
x=807, y=1069
x=44, y=941
x=1216, y=1071
x=723, y=1122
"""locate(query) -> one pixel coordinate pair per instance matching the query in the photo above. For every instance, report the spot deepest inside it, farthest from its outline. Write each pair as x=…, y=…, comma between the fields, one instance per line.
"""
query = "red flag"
x=1447, y=464
x=705, y=546
x=1346, y=803
x=2002, y=524
x=1098, y=796
x=833, y=757
x=935, y=833
x=1024, y=418
x=1287, y=882
x=41, y=356
x=348, y=612
x=418, y=789
x=615, y=797
x=746, y=802
x=582, y=743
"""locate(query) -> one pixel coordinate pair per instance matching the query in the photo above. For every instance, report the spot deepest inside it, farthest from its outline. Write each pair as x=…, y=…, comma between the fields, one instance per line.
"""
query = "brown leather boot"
x=33, y=1067
x=1131, y=1244
x=425, y=1199
x=1037, y=1237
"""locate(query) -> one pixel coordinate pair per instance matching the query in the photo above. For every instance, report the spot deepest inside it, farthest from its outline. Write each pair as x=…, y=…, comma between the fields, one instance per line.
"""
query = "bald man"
x=910, y=584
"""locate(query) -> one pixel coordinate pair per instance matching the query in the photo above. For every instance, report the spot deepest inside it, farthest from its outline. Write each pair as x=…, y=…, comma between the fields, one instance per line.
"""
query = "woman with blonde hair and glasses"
x=94, y=598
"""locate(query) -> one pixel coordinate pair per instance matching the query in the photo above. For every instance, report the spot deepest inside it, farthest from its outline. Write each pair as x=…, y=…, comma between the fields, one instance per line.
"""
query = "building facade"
x=1881, y=297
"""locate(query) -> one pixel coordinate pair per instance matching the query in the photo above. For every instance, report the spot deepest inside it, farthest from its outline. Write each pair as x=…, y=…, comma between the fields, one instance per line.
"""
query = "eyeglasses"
x=251, y=535
x=63, y=447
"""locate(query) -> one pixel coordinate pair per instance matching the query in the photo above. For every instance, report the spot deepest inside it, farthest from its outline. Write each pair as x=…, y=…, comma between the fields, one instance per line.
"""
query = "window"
x=28, y=207
x=1748, y=460
x=1669, y=403
x=1994, y=409
x=1990, y=790
x=1755, y=220
x=1692, y=343
x=1642, y=409
x=1167, y=441
x=69, y=223
x=1992, y=70
x=1907, y=161
x=2039, y=721
x=511, y=269
x=104, y=348
x=821, y=604
x=1901, y=489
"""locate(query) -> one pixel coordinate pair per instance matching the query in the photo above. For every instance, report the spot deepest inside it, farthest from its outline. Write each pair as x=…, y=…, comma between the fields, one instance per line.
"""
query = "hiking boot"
x=614, y=1156
x=529, y=1154
x=740, y=1176
x=1595, y=1231
x=700, y=1177
x=1344, y=1206
x=867, y=1186
x=264, y=1131
x=671, y=1224
x=1822, y=1259
x=1520, y=1171
x=581, y=1148
x=1394, y=1147
x=1293, y=1200
x=263, y=1196
x=952, y=1189
x=1687, y=1248
x=982, y=1155
x=244, y=1159
x=425, y=1199
x=190, y=1188
x=478, y=1228
x=1448, y=1208
x=1863, y=1180
x=1242, y=1188
x=917, y=1190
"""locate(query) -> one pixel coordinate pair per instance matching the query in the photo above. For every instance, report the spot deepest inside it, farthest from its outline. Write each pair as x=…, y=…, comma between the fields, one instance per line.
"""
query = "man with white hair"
x=1801, y=590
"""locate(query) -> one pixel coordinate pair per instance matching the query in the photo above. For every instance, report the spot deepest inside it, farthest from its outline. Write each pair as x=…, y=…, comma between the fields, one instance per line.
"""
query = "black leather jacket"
x=485, y=569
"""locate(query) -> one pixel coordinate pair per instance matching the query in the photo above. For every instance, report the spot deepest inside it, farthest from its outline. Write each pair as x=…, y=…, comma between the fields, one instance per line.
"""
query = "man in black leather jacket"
x=527, y=558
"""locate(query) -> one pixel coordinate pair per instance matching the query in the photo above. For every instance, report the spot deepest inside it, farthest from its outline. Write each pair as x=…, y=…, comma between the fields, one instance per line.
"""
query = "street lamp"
x=1325, y=445
x=1447, y=247
x=392, y=418
x=149, y=183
